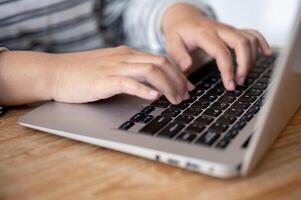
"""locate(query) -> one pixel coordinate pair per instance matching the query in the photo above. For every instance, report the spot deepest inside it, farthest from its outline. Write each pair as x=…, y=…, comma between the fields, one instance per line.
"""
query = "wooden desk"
x=36, y=165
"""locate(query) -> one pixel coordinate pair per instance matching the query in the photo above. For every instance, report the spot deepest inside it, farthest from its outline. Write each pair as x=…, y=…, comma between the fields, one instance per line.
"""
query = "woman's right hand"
x=99, y=74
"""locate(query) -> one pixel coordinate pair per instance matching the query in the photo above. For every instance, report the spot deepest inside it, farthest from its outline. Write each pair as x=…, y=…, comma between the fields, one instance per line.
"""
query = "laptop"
x=215, y=132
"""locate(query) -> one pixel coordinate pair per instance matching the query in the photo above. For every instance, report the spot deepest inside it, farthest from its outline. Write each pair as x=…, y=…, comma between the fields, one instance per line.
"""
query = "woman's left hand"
x=186, y=29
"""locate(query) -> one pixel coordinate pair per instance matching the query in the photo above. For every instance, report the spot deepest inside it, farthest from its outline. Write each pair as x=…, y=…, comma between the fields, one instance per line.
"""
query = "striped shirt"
x=79, y=25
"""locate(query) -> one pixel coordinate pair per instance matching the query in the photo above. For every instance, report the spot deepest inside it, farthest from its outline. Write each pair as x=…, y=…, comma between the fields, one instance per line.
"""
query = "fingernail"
x=179, y=99
x=153, y=94
x=231, y=85
x=241, y=80
x=190, y=86
x=186, y=96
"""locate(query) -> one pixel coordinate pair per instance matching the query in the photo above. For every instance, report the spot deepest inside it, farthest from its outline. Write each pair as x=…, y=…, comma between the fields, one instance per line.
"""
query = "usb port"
x=192, y=166
x=173, y=161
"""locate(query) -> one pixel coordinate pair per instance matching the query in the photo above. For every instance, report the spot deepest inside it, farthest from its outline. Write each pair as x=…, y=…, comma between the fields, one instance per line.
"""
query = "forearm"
x=25, y=77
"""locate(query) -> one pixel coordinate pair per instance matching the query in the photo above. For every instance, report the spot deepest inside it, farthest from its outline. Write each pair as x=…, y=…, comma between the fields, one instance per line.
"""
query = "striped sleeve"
x=141, y=21
x=148, y=15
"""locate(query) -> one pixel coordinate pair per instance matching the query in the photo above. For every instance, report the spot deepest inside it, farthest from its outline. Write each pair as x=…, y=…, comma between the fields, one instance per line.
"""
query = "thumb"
x=176, y=48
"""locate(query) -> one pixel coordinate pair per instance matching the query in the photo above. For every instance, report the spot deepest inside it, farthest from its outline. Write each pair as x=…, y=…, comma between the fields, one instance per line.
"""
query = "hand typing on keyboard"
x=186, y=29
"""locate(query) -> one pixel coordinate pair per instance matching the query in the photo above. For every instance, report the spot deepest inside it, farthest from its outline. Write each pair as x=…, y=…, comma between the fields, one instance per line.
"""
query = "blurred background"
x=274, y=18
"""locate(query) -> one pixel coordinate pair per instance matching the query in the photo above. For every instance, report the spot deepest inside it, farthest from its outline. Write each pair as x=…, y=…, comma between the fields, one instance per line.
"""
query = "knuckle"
x=152, y=69
x=162, y=60
x=206, y=30
x=243, y=41
x=224, y=53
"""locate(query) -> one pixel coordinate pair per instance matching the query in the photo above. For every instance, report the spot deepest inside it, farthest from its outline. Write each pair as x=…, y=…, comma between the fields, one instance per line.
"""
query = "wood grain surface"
x=37, y=165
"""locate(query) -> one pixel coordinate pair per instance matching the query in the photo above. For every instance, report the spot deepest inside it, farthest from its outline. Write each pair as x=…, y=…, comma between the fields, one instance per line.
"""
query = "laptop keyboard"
x=212, y=116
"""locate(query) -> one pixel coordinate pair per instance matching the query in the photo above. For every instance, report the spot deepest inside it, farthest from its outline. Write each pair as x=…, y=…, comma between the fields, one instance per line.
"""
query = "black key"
x=209, y=137
x=233, y=112
x=264, y=80
x=254, y=92
x=212, y=112
x=171, y=130
x=146, y=119
x=137, y=118
x=239, y=125
x=219, y=126
x=211, y=79
x=260, y=86
x=191, y=99
x=171, y=112
x=230, y=134
x=220, y=105
x=204, y=120
x=258, y=69
x=235, y=93
x=204, y=86
x=201, y=104
x=253, y=75
x=226, y=119
x=197, y=92
x=186, y=137
x=254, y=110
x=241, y=105
x=148, y=109
x=184, y=119
x=192, y=111
x=155, y=125
x=181, y=106
x=217, y=91
x=209, y=97
x=223, y=144
x=126, y=126
x=226, y=98
x=247, y=98
x=195, y=128
x=160, y=103
x=247, y=117
x=249, y=81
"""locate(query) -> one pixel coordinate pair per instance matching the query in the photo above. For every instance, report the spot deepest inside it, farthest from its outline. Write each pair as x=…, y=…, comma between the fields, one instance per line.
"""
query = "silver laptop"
x=215, y=132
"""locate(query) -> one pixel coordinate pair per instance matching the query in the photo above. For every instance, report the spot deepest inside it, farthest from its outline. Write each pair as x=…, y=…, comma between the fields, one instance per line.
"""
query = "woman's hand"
x=90, y=76
x=186, y=29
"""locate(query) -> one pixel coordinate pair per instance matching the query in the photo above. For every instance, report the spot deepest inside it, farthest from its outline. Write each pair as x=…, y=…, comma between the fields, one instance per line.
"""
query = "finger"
x=132, y=87
x=264, y=45
x=254, y=45
x=217, y=49
x=150, y=73
x=243, y=51
x=174, y=74
x=176, y=48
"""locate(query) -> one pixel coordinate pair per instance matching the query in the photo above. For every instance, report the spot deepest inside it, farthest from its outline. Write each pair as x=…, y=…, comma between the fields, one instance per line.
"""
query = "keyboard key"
x=204, y=120
x=209, y=137
x=161, y=103
x=171, y=130
x=155, y=125
x=195, y=128
x=226, y=98
x=126, y=126
x=212, y=112
x=219, y=126
x=230, y=134
x=222, y=144
x=201, y=104
x=254, y=110
x=217, y=91
x=264, y=80
x=192, y=111
x=260, y=86
x=220, y=105
x=146, y=119
x=197, y=92
x=239, y=125
x=247, y=117
x=247, y=98
x=254, y=92
x=184, y=119
x=181, y=106
x=226, y=119
x=186, y=137
x=148, y=109
x=234, y=112
x=253, y=75
x=241, y=105
x=171, y=112
x=204, y=86
x=191, y=99
x=212, y=79
x=137, y=118
x=209, y=97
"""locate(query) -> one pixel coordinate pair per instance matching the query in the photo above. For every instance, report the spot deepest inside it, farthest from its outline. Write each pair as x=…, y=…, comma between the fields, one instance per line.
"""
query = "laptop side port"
x=172, y=161
x=192, y=166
